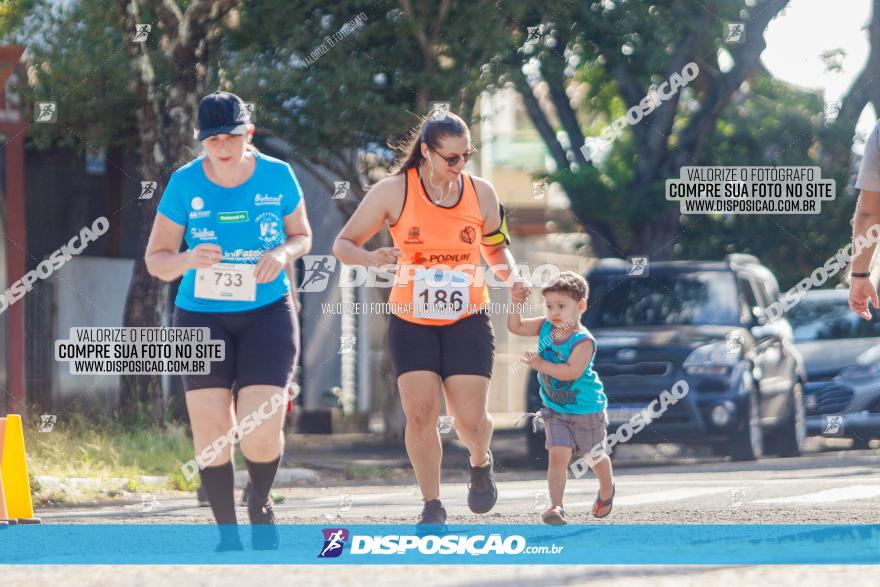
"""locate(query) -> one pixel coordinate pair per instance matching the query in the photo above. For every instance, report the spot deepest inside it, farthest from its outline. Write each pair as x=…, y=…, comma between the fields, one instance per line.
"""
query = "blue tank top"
x=245, y=221
x=583, y=395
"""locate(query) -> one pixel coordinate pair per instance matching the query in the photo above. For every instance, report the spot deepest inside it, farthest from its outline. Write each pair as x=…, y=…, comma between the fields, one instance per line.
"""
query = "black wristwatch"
x=860, y=274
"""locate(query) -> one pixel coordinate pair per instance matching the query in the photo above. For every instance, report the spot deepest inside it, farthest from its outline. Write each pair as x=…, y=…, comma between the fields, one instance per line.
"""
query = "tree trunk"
x=165, y=129
x=141, y=395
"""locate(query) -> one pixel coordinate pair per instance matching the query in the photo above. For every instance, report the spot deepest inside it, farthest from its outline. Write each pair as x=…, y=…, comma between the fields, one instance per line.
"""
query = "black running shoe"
x=433, y=514
x=482, y=492
x=202, y=497
x=246, y=493
x=229, y=539
x=264, y=534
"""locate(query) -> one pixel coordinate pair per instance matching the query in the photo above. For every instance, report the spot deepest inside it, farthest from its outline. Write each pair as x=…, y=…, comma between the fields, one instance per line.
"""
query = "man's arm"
x=867, y=214
x=862, y=289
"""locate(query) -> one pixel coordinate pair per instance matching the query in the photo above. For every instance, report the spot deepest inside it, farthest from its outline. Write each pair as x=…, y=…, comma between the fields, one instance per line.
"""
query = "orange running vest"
x=439, y=245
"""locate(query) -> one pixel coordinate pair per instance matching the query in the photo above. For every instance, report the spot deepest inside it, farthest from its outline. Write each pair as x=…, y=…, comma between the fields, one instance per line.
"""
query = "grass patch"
x=104, y=449
x=359, y=471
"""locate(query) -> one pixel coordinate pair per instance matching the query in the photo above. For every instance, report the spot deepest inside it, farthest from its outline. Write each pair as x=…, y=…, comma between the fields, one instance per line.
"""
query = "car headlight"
x=711, y=359
x=721, y=414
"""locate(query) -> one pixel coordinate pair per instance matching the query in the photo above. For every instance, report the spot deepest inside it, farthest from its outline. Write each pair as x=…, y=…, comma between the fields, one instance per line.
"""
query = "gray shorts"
x=579, y=432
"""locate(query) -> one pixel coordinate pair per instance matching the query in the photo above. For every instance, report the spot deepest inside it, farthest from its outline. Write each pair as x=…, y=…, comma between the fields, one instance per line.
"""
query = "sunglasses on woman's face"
x=455, y=159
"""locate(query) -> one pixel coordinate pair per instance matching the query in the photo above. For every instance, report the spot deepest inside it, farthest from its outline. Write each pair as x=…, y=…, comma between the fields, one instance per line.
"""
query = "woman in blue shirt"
x=243, y=219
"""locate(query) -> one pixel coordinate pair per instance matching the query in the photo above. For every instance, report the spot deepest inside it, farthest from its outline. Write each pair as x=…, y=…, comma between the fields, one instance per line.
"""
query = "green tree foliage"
x=620, y=51
x=366, y=88
x=340, y=110
x=75, y=59
x=771, y=123
x=12, y=16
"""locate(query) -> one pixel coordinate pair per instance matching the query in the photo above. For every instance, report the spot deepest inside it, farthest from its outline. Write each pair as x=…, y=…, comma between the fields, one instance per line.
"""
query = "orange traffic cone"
x=4, y=513
x=16, y=488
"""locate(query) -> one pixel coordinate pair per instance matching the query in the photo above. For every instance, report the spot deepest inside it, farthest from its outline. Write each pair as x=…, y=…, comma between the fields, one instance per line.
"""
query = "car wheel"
x=538, y=457
x=747, y=444
x=788, y=439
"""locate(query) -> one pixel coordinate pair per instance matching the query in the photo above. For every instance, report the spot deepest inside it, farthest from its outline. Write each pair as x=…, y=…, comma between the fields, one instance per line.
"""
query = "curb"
x=286, y=477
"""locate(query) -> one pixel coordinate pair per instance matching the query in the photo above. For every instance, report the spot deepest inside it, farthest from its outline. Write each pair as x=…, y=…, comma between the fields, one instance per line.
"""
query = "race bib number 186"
x=440, y=294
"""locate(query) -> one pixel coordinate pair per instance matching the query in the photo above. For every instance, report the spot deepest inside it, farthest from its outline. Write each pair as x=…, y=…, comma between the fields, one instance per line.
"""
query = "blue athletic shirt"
x=245, y=221
x=583, y=395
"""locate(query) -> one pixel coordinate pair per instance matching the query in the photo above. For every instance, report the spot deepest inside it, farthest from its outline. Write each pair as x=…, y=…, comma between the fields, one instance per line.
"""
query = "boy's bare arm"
x=519, y=293
x=527, y=327
x=577, y=362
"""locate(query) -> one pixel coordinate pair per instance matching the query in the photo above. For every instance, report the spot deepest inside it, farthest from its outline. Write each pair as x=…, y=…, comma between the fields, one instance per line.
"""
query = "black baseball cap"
x=222, y=113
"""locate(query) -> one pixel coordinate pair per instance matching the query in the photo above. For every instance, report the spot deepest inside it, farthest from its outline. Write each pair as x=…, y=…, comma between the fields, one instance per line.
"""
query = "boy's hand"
x=519, y=292
x=532, y=359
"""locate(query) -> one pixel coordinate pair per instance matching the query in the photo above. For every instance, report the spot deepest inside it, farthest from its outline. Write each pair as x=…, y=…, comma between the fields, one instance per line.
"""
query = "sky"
x=797, y=38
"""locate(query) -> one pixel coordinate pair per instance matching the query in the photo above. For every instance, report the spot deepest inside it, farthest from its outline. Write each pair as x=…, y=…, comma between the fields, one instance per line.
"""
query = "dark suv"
x=704, y=323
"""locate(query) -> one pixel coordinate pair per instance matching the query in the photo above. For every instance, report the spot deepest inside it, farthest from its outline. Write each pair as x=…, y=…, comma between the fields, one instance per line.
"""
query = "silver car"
x=842, y=356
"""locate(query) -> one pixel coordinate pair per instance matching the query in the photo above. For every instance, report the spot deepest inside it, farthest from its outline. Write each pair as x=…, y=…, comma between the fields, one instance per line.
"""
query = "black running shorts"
x=261, y=345
x=465, y=347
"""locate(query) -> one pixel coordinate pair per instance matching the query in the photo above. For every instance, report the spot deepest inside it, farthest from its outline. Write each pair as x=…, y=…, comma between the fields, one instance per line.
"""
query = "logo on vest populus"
x=435, y=258
x=334, y=541
x=413, y=237
x=467, y=234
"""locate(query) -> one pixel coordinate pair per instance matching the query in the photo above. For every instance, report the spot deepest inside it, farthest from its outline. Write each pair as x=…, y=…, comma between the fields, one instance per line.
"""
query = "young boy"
x=574, y=402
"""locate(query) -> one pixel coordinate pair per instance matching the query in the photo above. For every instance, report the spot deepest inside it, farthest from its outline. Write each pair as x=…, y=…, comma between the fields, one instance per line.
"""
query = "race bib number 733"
x=227, y=281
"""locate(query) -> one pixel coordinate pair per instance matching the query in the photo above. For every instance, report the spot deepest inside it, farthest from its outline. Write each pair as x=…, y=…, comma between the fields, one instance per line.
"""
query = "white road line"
x=625, y=479
x=570, y=489
x=660, y=496
x=850, y=492
x=359, y=498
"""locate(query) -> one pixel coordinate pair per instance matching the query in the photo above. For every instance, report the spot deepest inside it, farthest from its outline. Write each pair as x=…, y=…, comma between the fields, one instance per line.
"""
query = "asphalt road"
x=827, y=487
x=824, y=488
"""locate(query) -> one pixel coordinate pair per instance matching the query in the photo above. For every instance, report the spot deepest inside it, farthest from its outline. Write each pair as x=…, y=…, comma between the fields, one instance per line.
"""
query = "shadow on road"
x=357, y=455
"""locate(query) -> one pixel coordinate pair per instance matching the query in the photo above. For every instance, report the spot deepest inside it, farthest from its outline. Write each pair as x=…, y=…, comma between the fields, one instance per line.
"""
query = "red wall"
x=16, y=243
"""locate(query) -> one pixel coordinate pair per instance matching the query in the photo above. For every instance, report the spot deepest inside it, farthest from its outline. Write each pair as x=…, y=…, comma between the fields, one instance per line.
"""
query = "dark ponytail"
x=429, y=131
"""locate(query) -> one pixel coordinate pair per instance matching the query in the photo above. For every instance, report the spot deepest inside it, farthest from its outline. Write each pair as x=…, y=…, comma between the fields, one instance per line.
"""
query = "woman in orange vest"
x=440, y=219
